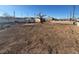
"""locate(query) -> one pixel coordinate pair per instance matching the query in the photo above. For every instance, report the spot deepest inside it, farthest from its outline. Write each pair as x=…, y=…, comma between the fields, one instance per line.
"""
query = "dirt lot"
x=40, y=38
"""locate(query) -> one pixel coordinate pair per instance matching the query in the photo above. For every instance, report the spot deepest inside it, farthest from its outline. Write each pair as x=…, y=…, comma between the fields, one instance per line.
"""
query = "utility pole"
x=70, y=16
x=14, y=16
x=74, y=12
x=14, y=13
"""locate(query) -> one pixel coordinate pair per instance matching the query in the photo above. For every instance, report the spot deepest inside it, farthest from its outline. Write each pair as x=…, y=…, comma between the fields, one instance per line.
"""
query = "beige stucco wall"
x=77, y=23
x=63, y=22
x=37, y=20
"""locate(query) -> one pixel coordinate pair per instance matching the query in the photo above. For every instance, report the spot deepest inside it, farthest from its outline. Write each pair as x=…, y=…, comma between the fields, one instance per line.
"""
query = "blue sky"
x=57, y=11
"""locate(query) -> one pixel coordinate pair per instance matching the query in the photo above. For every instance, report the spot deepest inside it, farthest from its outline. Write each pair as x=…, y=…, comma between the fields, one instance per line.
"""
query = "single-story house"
x=76, y=22
x=37, y=20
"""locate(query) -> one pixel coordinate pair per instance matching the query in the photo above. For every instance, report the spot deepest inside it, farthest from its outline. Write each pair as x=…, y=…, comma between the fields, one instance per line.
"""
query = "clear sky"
x=57, y=11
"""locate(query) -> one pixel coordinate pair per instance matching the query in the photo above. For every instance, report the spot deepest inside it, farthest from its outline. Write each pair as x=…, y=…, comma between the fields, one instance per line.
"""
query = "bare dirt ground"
x=40, y=38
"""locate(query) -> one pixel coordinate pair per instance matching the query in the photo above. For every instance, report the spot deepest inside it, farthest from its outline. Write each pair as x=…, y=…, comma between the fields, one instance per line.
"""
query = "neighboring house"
x=37, y=20
x=49, y=18
x=31, y=20
x=6, y=22
x=6, y=19
x=20, y=20
x=76, y=22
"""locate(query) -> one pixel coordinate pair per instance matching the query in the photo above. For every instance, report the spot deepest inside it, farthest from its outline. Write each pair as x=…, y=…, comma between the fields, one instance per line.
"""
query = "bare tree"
x=40, y=15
